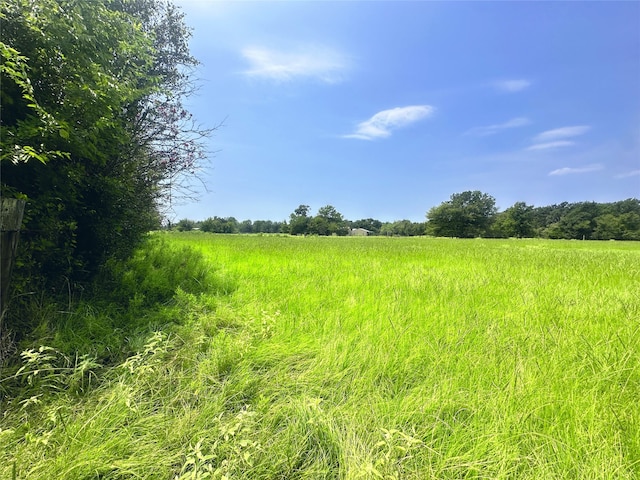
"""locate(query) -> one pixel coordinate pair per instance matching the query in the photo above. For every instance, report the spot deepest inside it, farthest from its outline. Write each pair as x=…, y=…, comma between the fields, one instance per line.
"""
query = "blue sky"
x=385, y=109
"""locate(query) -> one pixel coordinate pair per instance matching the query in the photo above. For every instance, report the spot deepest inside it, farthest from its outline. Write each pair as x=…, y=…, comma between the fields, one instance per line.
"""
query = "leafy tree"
x=185, y=225
x=266, y=226
x=628, y=213
x=299, y=221
x=574, y=221
x=545, y=216
x=579, y=222
x=515, y=221
x=608, y=227
x=208, y=225
x=230, y=225
x=589, y=220
x=630, y=225
x=220, y=225
x=403, y=228
x=319, y=226
x=302, y=211
x=466, y=215
x=386, y=229
x=93, y=132
x=333, y=220
x=19, y=103
x=246, y=226
x=630, y=205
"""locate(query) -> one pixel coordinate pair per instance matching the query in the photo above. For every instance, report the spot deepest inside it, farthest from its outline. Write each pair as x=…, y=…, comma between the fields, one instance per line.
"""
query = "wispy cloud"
x=557, y=138
x=551, y=145
x=564, y=132
x=315, y=62
x=382, y=123
x=570, y=171
x=493, y=129
x=512, y=86
x=632, y=173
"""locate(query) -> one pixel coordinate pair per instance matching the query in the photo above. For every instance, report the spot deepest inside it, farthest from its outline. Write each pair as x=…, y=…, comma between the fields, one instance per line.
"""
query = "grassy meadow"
x=281, y=357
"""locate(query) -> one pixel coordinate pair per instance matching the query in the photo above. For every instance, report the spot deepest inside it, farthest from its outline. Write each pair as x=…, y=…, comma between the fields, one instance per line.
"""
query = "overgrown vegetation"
x=339, y=358
x=97, y=320
x=93, y=131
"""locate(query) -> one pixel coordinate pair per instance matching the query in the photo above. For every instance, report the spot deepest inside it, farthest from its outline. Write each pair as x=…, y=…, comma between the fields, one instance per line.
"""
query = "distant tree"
x=402, y=228
x=319, y=226
x=185, y=225
x=631, y=226
x=628, y=212
x=466, y=215
x=630, y=205
x=414, y=229
x=209, y=225
x=299, y=221
x=386, y=229
x=261, y=226
x=246, y=226
x=219, y=225
x=330, y=213
x=334, y=221
x=578, y=221
x=515, y=221
x=302, y=211
x=545, y=216
x=589, y=220
x=231, y=225
x=553, y=231
x=266, y=226
x=608, y=227
x=276, y=227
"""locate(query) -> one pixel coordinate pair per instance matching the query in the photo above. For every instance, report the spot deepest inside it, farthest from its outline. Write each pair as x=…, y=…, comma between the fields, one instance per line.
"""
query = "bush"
x=128, y=297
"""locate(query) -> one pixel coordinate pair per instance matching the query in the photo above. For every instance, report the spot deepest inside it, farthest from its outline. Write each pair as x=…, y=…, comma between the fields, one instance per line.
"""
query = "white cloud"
x=512, y=86
x=569, y=171
x=632, y=173
x=493, y=129
x=564, y=132
x=312, y=62
x=557, y=137
x=550, y=145
x=382, y=123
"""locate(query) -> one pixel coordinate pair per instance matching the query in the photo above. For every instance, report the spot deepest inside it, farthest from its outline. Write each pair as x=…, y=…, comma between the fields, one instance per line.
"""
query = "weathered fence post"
x=11, y=211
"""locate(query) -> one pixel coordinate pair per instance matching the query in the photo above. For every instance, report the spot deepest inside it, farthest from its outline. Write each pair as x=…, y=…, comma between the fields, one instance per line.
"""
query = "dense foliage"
x=465, y=215
x=589, y=220
x=94, y=135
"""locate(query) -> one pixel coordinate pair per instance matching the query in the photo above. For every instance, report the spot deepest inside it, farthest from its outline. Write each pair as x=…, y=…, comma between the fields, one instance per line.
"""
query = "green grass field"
x=361, y=358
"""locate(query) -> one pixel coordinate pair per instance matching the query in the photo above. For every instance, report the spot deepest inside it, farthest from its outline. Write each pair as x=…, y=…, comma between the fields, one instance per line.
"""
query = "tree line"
x=474, y=214
x=468, y=214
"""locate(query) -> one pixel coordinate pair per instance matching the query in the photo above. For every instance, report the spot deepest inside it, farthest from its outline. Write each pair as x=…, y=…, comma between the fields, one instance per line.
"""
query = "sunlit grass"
x=345, y=358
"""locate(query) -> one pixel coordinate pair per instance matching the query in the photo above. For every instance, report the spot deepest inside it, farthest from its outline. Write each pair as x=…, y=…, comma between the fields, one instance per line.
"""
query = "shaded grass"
x=366, y=358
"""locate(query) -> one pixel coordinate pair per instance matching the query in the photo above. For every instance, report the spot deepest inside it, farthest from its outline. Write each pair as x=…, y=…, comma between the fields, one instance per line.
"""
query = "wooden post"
x=11, y=210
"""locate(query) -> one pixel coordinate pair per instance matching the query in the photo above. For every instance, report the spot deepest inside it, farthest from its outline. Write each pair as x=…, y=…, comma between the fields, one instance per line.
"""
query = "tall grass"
x=345, y=358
